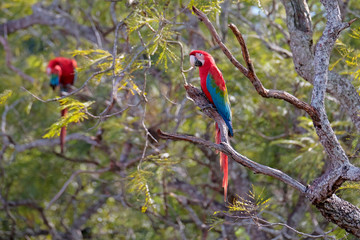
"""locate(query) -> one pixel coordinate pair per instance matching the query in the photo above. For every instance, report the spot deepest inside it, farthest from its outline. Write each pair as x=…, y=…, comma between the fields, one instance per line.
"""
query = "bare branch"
x=217, y=38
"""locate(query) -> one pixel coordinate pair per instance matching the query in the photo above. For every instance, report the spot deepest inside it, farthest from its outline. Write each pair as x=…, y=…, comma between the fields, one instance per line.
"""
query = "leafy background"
x=128, y=183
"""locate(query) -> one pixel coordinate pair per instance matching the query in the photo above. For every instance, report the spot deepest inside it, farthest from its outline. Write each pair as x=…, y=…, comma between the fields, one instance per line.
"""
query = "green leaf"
x=349, y=185
x=4, y=96
x=76, y=113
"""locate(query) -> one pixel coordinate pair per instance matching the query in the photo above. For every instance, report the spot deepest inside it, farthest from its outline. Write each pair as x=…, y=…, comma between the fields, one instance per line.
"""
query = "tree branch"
x=45, y=17
x=250, y=72
x=340, y=169
x=200, y=100
x=55, y=141
x=301, y=44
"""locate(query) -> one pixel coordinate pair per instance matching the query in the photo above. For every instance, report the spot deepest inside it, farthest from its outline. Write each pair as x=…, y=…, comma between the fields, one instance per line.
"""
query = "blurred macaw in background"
x=62, y=73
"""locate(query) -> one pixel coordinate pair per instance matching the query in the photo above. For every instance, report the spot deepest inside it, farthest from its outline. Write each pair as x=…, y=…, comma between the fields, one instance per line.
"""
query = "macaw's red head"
x=200, y=58
x=54, y=71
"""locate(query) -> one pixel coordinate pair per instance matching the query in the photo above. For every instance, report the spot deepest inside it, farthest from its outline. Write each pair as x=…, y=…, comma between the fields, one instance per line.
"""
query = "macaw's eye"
x=200, y=54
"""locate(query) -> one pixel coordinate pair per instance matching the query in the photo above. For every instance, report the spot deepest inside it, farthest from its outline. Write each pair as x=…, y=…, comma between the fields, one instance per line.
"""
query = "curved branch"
x=228, y=150
x=250, y=72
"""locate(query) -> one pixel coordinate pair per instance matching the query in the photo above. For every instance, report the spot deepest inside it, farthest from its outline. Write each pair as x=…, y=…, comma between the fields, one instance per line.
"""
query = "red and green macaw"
x=213, y=85
x=62, y=73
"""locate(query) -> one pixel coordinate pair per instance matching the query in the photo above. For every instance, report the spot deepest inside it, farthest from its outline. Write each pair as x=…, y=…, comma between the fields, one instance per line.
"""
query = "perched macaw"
x=213, y=85
x=62, y=73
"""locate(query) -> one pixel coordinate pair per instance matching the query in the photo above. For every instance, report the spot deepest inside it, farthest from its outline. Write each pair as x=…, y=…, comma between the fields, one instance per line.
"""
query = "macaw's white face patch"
x=197, y=60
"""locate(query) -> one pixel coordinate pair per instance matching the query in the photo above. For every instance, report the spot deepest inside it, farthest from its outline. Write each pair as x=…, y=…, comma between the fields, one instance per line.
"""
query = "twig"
x=267, y=223
x=182, y=60
x=8, y=58
x=66, y=184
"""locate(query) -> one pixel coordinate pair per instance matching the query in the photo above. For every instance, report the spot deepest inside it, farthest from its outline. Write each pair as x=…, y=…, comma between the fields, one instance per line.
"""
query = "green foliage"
x=212, y=6
x=350, y=57
x=152, y=167
x=309, y=152
x=349, y=185
x=93, y=57
x=4, y=96
x=139, y=184
x=254, y=204
x=250, y=206
x=76, y=112
x=147, y=63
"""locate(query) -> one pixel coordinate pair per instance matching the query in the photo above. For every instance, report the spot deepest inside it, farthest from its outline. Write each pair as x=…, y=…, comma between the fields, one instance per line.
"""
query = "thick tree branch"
x=338, y=161
x=45, y=17
x=301, y=44
x=342, y=213
x=340, y=168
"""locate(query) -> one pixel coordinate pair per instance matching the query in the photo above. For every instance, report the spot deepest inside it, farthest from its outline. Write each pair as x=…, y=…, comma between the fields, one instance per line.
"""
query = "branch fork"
x=321, y=192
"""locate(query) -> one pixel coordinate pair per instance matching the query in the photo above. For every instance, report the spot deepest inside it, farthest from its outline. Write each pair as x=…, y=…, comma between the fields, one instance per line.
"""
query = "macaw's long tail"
x=63, y=131
x=223, y=162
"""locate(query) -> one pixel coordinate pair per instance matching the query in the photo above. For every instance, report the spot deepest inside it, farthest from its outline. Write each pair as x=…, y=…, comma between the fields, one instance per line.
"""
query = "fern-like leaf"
x=76, y=113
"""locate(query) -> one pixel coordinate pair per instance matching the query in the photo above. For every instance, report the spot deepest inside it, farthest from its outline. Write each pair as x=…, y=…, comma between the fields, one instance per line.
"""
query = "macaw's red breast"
x=67, y=66
x=211, y=69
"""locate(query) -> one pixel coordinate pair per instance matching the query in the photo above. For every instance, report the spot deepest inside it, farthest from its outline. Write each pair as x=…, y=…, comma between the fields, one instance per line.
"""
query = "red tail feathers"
x=63, y=132
x=223, y=163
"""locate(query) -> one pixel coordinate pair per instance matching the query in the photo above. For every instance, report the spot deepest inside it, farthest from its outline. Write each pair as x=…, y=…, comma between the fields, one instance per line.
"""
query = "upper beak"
x=195, y=62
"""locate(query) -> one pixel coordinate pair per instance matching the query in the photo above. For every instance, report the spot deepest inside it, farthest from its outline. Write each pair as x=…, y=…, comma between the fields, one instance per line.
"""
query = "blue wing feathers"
x=221, y=101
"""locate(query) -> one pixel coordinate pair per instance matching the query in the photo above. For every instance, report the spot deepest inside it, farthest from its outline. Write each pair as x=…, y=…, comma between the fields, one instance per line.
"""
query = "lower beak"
x=197, y=63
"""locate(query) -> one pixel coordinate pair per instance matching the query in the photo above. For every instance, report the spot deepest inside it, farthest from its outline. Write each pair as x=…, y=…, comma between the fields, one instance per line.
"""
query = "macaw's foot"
x=207, y=106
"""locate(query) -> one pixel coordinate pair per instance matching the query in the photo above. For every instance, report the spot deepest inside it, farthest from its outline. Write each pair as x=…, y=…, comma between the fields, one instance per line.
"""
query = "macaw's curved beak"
x=195, y=62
